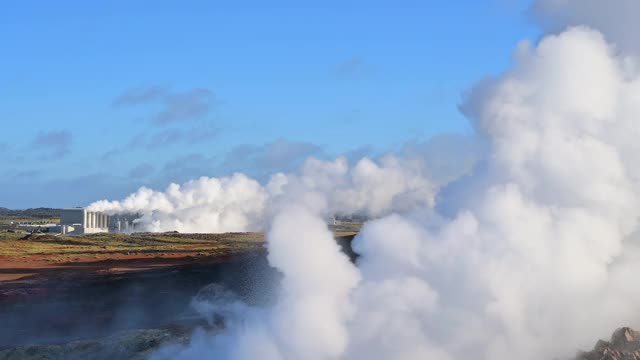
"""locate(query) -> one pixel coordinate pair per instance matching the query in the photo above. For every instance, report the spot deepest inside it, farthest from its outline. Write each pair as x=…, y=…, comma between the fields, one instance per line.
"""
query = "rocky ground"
x=134, y=344
x=78, y=299
x=624, y=345
x=103, y=297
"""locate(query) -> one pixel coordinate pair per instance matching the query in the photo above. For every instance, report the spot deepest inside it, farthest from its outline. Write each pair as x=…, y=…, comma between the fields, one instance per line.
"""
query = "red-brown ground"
x=40, y=267
x=40, y=257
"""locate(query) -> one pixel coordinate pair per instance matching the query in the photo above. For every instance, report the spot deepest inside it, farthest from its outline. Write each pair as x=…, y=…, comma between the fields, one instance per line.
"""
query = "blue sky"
x=97, y=100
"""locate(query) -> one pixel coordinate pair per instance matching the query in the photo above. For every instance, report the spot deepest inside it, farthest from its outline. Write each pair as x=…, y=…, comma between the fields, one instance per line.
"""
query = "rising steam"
x=533, y=256
x=238, y=203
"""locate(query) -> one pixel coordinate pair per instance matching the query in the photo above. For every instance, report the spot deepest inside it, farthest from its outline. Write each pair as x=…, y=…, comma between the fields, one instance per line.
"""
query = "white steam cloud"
x=536, y=258
x=238, y=203
x=235, y=203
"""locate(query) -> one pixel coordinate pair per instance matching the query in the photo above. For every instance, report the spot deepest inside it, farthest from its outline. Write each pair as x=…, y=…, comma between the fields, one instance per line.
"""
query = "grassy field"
x=66, y=248
x=5, y=220
x=59, y=248
x=346, y=228
x=34, y=216
x=24, y=256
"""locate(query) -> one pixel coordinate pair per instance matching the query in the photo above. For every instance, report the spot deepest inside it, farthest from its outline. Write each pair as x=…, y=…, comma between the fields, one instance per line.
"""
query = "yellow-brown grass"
x=61, y=248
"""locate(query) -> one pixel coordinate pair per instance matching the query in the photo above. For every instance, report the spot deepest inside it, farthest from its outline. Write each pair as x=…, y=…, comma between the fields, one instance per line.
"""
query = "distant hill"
x=37, y=213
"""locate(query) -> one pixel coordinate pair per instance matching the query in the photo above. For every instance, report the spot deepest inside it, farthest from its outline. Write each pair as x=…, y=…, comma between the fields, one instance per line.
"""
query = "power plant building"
x=78, y=221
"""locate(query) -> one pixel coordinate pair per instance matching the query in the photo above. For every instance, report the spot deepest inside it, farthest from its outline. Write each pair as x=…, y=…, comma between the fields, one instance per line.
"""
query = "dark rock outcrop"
x=624, y=345
x=136, y=345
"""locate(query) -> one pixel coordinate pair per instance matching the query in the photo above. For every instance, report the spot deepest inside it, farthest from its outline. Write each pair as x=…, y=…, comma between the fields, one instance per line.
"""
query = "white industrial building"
x=78, y=221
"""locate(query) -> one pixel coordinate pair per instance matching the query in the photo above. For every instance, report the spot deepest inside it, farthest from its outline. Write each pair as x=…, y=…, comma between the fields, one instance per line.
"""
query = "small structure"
x=78, y=221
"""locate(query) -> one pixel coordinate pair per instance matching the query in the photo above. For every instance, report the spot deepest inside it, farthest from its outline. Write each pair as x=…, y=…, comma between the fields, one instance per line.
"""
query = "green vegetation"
x=16, y=244
x=346, y=228
x=35, y=216
x=105, y=245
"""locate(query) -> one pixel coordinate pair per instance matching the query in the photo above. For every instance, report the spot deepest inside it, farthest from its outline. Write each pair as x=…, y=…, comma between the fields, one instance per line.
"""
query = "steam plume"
x=238, y=203
x=535, y=257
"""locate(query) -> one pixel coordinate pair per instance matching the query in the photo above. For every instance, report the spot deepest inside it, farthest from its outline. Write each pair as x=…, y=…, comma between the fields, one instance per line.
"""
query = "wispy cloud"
x=55, y=143
x=142, y=170
x=187, y=167
x=5, y=151
x=189, y=105
x=26, y=174
x=141, y=96
x=173, y=136
x=174, y=107
x=164, y=138
x=352, y=68
x=262, y=160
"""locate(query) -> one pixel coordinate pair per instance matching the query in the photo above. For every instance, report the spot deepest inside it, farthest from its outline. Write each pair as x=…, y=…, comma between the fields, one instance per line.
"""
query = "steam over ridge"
x=239, y=203
x=537, y=259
